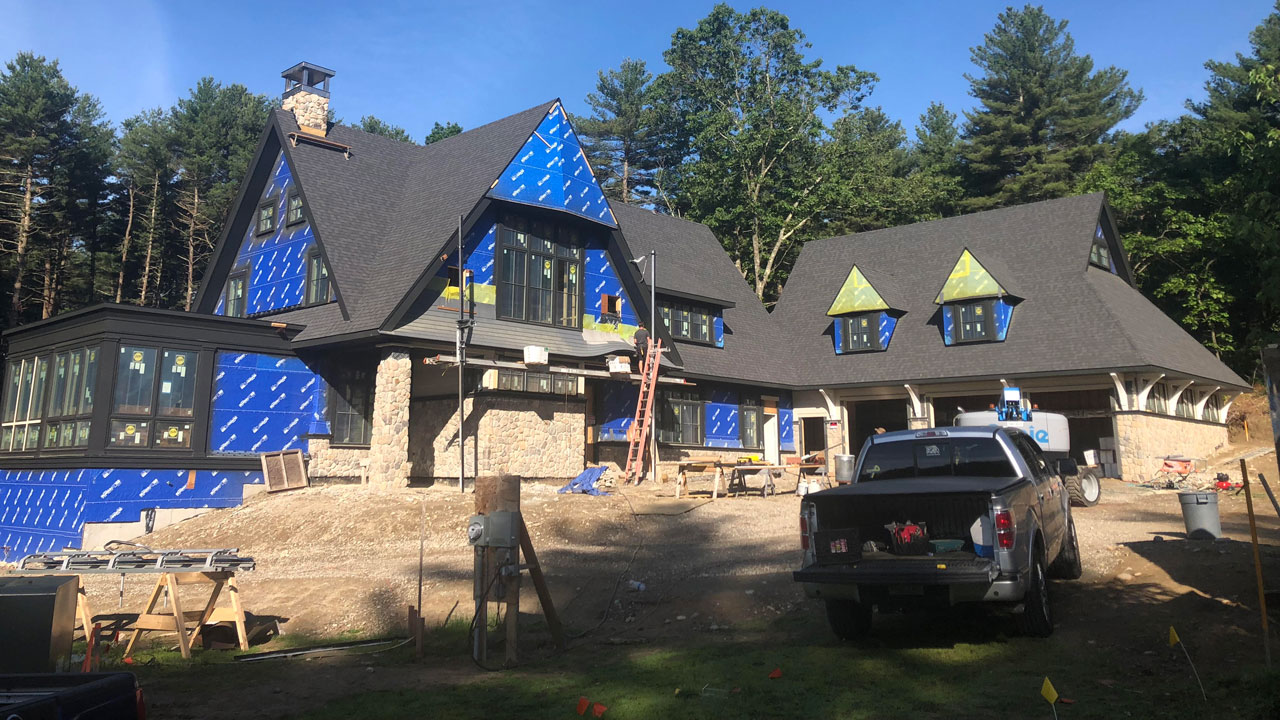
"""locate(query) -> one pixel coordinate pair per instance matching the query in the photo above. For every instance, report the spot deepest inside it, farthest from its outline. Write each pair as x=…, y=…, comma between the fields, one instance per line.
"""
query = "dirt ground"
x=343, y=561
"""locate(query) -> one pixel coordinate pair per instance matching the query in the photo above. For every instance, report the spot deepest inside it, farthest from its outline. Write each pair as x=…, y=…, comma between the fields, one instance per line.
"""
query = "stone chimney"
x=306, y=93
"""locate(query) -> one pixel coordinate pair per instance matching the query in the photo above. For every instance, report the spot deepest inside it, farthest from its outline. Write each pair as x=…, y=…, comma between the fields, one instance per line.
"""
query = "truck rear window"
x=936, y=457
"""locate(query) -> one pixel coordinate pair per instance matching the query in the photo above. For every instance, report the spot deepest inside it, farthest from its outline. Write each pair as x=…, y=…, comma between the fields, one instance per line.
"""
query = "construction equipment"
x=137, y=560
x=638, y=433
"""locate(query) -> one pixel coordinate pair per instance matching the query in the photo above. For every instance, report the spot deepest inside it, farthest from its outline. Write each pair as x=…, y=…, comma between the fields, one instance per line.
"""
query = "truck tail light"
x=1004, y=529
x=804, y=531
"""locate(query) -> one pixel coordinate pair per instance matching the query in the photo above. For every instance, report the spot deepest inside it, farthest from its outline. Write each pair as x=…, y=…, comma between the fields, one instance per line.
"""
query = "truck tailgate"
x=883, y=569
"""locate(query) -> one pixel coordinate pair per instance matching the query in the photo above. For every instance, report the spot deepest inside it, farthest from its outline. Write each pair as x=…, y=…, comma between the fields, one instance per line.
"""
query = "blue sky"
x=412, y=63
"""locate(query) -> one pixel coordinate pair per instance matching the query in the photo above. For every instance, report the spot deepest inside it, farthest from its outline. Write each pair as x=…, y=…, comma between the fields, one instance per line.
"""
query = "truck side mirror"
x=1067, y=467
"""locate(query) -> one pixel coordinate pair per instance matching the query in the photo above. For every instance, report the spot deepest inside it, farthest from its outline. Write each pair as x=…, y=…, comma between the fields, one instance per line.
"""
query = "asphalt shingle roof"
x=1073, y=317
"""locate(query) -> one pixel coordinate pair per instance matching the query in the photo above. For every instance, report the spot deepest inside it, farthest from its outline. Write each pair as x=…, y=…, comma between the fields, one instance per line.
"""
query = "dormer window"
x=859, y=333
x=975, y=321
x=686, y=322
x=293, y=213
x=267, y=217
x=1100, y=251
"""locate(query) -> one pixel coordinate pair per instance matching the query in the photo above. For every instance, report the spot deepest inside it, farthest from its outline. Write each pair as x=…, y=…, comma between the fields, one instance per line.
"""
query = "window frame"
x=309, y=297
x=33, y=416
x=271, y=204
x=289, y=220
x=155, y=417
x=847, y=333
x=344, y=378
x=517, y=381
x=753, y=406
x=671, y=428
x=987, y=305
x=76, y=385
x=564, y=249
x=243, y=277
x=667, y=310
x=1100, y=254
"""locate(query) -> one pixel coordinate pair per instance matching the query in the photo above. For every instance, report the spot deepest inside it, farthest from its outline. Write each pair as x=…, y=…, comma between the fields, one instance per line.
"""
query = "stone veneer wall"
x=526, y=435
x=389, y=439
x=1143, y=439
x=338, y=463
x=309, y=109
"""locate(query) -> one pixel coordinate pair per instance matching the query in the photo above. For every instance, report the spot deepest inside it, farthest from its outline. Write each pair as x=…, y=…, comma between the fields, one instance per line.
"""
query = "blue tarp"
x=585, y=483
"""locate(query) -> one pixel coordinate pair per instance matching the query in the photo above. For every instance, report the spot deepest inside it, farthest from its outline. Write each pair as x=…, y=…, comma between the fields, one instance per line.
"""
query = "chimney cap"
x=299, y=74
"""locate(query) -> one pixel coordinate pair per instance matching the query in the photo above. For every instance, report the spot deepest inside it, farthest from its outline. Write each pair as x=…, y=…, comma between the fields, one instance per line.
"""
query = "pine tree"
x=371, y=124
x=618, y=137
x=440, y=132
x=937, y=145
x=1043, y=112
x=147, y=161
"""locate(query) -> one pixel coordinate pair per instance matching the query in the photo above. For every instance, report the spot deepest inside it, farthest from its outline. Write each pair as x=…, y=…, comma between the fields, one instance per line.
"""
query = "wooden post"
x=1257, y=564
x=179, y=620
x=498, y=494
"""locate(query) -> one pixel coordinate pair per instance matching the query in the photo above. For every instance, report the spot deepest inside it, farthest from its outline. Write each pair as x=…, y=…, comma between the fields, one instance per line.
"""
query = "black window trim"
x=242, y=274
x=524, y=383
x=845, y=332
x=989, y=323
x=273, y=203
x=307, y=300
x=757, y=405
x=332, y=413
x=665, y=399
x=154, y=417
x=302, y=209
x=691, y=307
x=556, y=309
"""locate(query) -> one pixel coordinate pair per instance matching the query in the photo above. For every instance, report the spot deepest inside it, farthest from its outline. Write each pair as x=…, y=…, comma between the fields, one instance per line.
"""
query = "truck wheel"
x=1067, y=566
x=1084, y=488
x=850, y=619
x=1036, y=619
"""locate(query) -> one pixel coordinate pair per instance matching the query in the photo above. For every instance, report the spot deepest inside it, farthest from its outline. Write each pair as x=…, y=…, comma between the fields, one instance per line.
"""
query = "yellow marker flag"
x=1173, y=637
x=1048, y=692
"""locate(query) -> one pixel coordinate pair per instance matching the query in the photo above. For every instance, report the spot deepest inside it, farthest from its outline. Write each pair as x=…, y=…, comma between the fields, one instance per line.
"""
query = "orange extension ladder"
x=638, y=433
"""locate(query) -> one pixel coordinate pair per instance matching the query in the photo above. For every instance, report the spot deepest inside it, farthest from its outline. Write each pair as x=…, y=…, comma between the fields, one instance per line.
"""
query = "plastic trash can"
x=1200, y=515
x=845, y=467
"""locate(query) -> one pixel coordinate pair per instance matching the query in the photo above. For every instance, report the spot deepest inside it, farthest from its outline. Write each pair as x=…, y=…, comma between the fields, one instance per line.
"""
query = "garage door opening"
x=867, y=415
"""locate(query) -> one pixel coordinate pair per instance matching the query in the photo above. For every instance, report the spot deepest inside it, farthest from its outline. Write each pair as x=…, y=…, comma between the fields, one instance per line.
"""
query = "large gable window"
x=541, y=273
x=858, y=333
x=974, y=321
x=687, y=322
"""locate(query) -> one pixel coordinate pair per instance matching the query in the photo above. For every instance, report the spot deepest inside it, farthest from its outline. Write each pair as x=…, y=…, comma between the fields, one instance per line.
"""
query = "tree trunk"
x=191, y=245
x=124, y=246
x=626, y=180
x=20, y=253
x=151, y=239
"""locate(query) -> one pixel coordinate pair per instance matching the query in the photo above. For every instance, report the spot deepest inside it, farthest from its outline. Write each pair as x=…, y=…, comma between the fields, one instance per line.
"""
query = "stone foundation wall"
x=529, y=436
x=389, y=439
x=334, y=462
x=1143, y=439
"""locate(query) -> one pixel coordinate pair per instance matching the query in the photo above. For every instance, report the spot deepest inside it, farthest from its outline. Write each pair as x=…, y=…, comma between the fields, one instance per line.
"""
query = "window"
x=611, y=306
x=267, y=216
x=317, y=279
x=24, y=401
x=750, y=423
x=293, y=211
x=71, y=390
x=351, y=405
x=1032, y=455
x=541, y=273
x=860, y=332
x=537, y=382
x=687, y=322
x=1213, y=408
x=680, y=418
x=234, y=304
x=1186, y=407
x=1100, y=254
x=936, y=457
x=1158, y=398
x=973, y=321
x=155, y=392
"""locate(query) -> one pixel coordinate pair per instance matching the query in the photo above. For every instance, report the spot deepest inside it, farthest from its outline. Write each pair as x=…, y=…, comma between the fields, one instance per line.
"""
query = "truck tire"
x=850, y=619
x=1084, y=488
x=1036, y=619
x=1067, y=565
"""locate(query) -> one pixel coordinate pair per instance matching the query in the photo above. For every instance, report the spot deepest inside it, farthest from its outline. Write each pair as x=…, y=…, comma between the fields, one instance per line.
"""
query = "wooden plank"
x=238, y=609
x=208, y=610
x=151, y=605
x=163, y=622
x=540, y=584
x=179, y=626
x=200, y=578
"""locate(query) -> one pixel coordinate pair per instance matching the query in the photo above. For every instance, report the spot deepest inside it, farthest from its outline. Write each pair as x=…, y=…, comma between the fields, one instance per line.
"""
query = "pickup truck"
x=939, y=517
x=63, y=696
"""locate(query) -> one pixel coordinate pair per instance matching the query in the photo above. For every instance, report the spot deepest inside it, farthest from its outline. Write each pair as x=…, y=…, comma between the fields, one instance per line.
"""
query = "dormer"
x=975, y=306
x=862, y=320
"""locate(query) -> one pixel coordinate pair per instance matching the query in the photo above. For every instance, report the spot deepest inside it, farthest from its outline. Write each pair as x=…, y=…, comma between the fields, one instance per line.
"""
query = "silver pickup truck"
x=939, y=517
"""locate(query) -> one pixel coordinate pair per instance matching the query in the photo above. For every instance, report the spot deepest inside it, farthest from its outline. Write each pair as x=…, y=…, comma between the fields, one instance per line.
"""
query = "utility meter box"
x=497, y=529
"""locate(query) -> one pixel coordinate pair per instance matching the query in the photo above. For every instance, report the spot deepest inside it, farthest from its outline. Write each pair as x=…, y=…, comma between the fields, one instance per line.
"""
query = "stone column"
x=389, y=441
